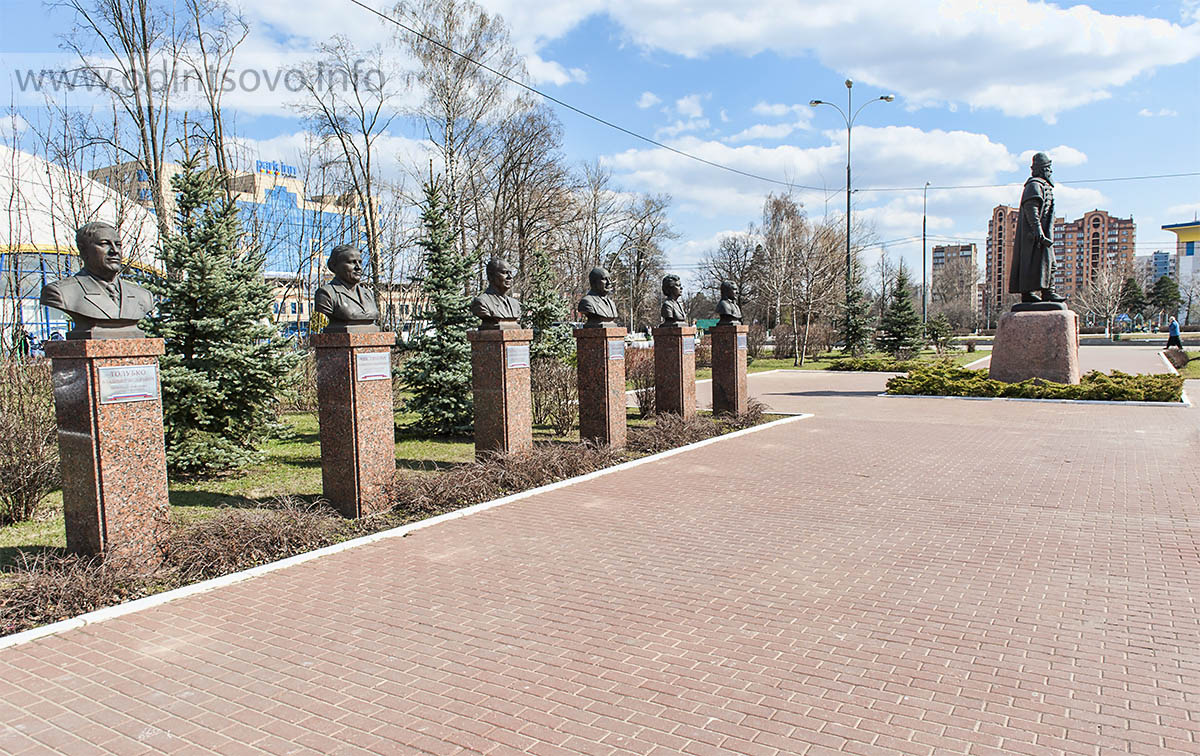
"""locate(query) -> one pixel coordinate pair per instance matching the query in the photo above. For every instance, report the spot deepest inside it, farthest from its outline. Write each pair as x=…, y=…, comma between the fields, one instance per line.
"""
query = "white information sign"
x=516, y=356
x=689, y=344
x=741, y=341
x=128, y=383
x=373, y=366
x=616, y=350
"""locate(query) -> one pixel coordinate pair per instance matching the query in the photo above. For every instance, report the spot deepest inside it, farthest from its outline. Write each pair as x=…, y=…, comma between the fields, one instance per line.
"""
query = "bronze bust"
x=1033, y=248
x=597, y=305
x=101, y=304
x=727, y=309
x=346, y=301
x=671, y=310
x=494, y=308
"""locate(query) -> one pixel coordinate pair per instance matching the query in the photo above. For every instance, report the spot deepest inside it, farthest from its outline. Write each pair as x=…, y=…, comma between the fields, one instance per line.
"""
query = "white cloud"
x=1160, y=113
x=1062, y=156
x=1185, y=211
x=12, y=124
x=648, y=100
x=1021, y=57
x=549, y=72
x=724, y=116
x=763, y=131
x=690, y=106
x=778, y=109
x=681, y=127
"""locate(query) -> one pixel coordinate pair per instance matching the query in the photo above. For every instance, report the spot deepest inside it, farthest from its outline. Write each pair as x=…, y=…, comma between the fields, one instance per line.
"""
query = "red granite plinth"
x=358, y=437
x=1036, y=345
x=675, y=370
x=729, y=369
x=500, y=384
x=110, y=440
x=601, y=353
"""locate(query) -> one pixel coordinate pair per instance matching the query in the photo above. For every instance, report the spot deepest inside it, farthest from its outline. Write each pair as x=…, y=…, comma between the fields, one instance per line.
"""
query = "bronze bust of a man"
x=727, y=309
x=597, y=305
x=494, y=308
x=346, y=301
x=101, y=303
x=1033, y=249
x=671, y=310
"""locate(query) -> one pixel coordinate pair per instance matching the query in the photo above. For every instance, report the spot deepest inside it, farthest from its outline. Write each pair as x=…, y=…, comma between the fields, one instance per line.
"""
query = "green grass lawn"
x=823, y=361
x=291, y=467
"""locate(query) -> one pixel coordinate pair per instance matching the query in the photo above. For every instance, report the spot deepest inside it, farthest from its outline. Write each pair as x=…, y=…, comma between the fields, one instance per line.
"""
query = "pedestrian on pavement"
x=1173, y=335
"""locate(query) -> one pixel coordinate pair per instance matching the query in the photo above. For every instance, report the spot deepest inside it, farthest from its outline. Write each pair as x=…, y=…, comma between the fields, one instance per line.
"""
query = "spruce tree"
x=1133, y=299
x=543, y=310
x=1165, y=296
x=900, y=331
x=855, y=325
x=224, y=359
x=439, y=372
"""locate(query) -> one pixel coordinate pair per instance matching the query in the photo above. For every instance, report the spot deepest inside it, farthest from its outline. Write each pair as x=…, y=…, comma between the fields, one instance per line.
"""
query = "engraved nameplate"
x=373, y=366
x=689, y=344
x=741, y=341
x=516, y=356
x=128, y=383
x=616, y=350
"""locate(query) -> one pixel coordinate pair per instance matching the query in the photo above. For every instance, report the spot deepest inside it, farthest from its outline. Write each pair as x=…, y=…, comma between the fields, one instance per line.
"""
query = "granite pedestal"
x=675, y=370
x=601, y=353
x=729, y=369
x=500, y=384
x=1035, y=344
x=108, y=403
x=354, y=394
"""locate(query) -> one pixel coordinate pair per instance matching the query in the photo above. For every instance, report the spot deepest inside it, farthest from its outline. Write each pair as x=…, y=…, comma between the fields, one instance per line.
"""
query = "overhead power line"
x=705, y=161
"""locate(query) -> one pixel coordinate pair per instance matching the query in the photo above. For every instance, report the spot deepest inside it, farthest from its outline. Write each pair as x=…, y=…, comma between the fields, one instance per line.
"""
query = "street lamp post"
x=924, y=265
x=848, y=115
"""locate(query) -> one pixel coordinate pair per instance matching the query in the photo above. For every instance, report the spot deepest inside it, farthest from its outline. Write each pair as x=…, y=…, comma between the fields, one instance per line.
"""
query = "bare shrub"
x=237, y=539
x=785, y=345
x=703, y=351
x=28, y=438
x=670, y=431
x=755, y=413
x=639, y=371
x=47, y=587
x=555, y=394
x=300, y=394
x=756, y=341
x=421, y=494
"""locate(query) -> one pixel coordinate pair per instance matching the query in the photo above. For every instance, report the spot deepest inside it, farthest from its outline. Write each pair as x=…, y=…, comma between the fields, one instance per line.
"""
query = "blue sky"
x=1109, y=88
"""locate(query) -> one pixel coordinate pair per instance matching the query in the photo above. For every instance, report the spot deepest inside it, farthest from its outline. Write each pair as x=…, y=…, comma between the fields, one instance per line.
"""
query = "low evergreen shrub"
x=872, y=364
x=947, y=379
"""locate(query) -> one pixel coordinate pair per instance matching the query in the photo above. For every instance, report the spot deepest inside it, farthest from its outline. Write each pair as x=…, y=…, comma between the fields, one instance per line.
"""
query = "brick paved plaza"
x=890, y=576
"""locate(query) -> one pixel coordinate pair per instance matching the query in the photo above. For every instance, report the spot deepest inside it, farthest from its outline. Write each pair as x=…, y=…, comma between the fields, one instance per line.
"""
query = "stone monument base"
x=110, y=439
x=358, y=428
x=1036, y=344
x=601, y=379
x=729, y=349
x=675, y=370
x=500, y=374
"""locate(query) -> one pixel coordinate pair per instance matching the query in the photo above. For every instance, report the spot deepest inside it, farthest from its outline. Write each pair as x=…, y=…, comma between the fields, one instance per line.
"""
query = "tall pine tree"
x=439, y=372
x=224, y=359
x=544, y=310
x=900, y=330
x=855, y=325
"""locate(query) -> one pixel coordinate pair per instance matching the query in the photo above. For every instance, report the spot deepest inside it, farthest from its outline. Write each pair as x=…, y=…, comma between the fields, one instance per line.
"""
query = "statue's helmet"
x=1040, y=160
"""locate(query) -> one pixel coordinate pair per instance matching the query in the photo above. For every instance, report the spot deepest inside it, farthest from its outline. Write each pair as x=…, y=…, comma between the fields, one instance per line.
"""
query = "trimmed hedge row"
x=873, y=364
x=946, y=379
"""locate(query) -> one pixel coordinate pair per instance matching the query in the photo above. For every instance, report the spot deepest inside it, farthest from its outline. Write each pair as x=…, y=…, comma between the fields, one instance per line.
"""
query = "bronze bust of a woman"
x=346, y=301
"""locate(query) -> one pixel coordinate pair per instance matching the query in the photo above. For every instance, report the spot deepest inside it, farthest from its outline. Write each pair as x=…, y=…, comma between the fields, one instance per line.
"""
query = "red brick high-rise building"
x=1081, y=248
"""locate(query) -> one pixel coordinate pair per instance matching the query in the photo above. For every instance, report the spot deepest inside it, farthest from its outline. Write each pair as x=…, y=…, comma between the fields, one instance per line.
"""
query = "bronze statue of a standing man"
x=1033, y=249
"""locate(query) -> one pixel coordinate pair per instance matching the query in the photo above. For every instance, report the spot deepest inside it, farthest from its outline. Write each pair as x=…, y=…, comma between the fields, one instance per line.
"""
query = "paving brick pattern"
x=893, y=576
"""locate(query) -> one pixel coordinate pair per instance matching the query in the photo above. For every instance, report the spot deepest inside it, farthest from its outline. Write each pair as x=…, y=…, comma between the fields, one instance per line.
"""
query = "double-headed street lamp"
x=849, y=114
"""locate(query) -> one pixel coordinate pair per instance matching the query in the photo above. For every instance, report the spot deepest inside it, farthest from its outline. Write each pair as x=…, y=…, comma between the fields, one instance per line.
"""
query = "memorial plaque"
x=689, y=344
x=616, y=350
x=373, y=366
x=741, y=341
x=128, y=383
x=516, y=356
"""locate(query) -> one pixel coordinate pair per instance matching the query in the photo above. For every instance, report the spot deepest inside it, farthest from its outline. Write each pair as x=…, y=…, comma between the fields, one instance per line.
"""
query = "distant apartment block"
x=943, y=253
x=1188, y=235
x=1149, y=268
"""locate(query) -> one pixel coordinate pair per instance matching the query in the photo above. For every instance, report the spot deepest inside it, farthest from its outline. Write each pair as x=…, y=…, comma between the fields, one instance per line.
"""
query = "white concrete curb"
x=1086, y=402
x=976, y=362
x=159, y=599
